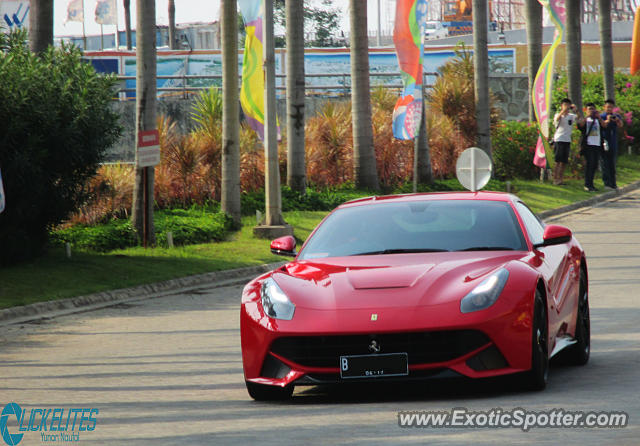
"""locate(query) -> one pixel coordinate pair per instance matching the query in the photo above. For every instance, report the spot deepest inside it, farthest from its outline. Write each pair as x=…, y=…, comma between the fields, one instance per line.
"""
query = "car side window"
x=531, y=222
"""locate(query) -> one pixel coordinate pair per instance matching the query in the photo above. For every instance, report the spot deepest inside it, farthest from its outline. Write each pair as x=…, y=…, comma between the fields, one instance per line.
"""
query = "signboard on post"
x=148, y=153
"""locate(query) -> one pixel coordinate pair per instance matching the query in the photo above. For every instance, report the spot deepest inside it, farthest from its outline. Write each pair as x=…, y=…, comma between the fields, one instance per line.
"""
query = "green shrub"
x=514, y=144
x=56, y=123
x=313, y=200
x=117, y=234
x=191, y=226
x=199, y=224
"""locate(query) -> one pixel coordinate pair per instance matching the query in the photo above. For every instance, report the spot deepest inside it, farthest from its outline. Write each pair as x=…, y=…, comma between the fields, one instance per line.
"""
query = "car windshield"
x=431, y=26
x=416, y=226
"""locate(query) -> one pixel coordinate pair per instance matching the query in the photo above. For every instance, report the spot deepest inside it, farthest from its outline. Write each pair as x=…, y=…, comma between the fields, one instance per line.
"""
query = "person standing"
x=564, y=121
x=612, y=122
x=591, y=144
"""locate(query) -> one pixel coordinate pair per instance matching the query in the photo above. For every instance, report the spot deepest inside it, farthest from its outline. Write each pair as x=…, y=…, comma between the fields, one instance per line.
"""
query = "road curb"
x=216, y=279
x=601, y=198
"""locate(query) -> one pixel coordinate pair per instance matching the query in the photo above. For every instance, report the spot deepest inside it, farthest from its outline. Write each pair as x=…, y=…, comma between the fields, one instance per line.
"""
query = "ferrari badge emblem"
x=374, y=316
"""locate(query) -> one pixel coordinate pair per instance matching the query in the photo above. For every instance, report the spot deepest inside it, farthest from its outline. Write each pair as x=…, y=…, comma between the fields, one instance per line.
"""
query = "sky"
x=194, y=11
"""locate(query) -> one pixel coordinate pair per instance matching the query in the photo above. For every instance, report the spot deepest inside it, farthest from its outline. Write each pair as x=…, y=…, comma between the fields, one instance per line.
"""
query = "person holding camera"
x=563, y=121
x=609, y=155
x=591, y=144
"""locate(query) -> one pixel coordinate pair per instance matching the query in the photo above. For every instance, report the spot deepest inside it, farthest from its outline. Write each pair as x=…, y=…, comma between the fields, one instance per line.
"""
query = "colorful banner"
x=2, y=201
x=75, y=11
x=408, y=36
x=252, y=90
x=541, y=93
x=106, y=12
x=634, y=65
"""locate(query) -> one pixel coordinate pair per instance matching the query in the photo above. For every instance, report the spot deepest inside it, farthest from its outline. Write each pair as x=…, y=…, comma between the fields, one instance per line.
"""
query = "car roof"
x=458, y=195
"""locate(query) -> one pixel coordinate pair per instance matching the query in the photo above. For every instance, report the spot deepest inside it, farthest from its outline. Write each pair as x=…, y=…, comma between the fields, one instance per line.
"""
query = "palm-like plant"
x=574, y=52
x=606, y=47
x=329, y=143
x=230, y=190
x=40, y=25
x=207, y=111
x=363, y=152
x=534, y=45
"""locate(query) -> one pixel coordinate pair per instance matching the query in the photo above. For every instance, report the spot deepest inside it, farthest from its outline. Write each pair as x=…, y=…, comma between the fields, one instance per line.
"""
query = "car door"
x=557, y=270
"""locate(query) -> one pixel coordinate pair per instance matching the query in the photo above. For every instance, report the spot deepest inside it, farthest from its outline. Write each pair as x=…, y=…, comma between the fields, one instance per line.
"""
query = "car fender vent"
x=488, y=359
x=274, y=368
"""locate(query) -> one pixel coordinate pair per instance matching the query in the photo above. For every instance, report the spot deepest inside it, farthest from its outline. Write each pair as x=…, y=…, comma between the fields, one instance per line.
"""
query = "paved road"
x=168, y=370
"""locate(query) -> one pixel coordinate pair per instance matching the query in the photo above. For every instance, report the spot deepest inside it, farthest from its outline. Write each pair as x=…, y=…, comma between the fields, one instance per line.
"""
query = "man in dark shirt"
x=612, y=121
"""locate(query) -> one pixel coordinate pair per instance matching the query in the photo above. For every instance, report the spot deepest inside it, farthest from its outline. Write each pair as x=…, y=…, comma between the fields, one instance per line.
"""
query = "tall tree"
x=273, y=194
x=574, y=54
x=173, y=44
x=321, y=23
x=230, y=202
x=296, y=169
x=481, y=74
x=142, y=218
x=422, y=167
x=534, y=45
x=40, y=25
x=606, y=48
x=364, y=159
x=127, y=21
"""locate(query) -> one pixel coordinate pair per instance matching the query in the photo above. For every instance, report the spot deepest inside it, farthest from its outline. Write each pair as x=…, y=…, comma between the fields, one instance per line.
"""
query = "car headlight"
x=275, y=303
x=486, y=293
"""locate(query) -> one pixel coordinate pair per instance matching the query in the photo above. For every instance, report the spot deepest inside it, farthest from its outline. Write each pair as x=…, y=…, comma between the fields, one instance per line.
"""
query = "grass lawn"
x=53, y=276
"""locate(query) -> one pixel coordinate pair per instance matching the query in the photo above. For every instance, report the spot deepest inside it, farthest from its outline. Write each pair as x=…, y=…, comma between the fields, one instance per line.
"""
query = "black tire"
x=536, y=378
x=262, y=392
x=578, y=353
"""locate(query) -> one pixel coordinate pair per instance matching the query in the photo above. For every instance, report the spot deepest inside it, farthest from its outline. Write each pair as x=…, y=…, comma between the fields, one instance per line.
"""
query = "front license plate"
x=374, y=366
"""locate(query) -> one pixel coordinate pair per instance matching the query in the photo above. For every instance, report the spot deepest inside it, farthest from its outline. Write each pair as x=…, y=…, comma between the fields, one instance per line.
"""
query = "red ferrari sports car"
x=417, y=286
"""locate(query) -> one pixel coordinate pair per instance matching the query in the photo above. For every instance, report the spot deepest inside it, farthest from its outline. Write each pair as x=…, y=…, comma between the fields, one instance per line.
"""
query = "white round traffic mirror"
x=473, y=169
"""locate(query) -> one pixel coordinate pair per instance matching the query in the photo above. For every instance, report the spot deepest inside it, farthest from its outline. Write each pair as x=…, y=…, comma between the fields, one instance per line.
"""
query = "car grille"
x=421, y=347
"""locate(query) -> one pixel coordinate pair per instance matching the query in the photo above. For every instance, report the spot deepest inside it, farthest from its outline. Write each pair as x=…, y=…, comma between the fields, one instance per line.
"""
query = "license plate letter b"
x=344, y=364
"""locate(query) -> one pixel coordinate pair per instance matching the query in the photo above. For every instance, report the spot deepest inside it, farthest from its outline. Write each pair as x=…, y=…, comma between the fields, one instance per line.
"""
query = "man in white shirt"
x=592, y=127
x=564, y=121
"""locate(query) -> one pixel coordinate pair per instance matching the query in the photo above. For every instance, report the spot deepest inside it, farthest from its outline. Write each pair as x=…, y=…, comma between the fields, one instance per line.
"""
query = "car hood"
x=387, y=280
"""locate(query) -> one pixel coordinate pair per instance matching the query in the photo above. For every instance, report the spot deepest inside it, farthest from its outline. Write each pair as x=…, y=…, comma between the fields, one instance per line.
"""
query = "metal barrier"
x=343, y=88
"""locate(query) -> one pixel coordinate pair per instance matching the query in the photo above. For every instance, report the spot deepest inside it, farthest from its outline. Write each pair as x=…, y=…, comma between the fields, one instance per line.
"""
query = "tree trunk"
x=127, y=21
x=364, y=159
x=145, y=114
x=534, y=46
x=421, y=151
x=481, y=74
x=230, y=202
x=296, y=168
x=273, y=195
x=40, y=25
x=606, y=48
x=574, y=54
x=173, y=43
